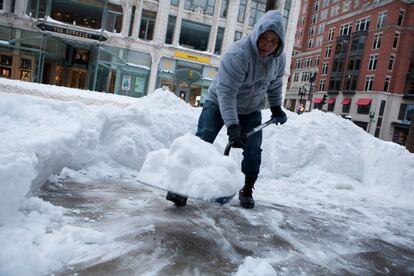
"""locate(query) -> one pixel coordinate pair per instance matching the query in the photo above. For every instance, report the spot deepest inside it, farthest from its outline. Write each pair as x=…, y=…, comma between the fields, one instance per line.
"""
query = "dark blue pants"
x=211, y=122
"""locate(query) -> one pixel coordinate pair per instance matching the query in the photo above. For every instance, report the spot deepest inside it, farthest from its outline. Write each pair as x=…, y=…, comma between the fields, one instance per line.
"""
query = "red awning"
x=331, y=100
x=317, y=100
x=346, y=101
x=364, y=101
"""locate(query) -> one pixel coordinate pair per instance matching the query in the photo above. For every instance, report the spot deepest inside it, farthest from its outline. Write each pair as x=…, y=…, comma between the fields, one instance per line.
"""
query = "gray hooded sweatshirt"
x=244, y=77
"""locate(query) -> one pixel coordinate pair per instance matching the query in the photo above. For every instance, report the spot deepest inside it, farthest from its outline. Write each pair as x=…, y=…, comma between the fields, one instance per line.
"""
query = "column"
x=214, y=27
x=247, y=16
x=155, y=61
x=137, y=21
x=20, y=7
x=7, y=5
x=160, y=29
x=178, y=22
x=230, y=24
x=126, y=20
x=290, y=40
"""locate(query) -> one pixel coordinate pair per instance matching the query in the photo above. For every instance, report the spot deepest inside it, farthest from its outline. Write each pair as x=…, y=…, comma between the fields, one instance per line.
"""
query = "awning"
x=364, y=101
x=317, y=100
x=331, y=100
x=346, y=101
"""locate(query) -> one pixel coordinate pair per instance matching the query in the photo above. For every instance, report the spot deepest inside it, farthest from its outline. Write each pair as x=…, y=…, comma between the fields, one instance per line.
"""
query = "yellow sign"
x=193, y=57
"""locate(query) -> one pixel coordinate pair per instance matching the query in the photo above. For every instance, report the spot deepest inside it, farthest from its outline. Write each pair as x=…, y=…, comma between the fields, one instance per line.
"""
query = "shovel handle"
x=250, y=133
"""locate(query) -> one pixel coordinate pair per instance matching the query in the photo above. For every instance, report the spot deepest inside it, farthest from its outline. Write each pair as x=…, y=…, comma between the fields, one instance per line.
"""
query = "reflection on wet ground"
x=209, y=239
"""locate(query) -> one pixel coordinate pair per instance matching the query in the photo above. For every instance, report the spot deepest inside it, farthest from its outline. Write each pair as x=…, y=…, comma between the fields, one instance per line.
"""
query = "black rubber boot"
x=246, y=194
x=179, y=201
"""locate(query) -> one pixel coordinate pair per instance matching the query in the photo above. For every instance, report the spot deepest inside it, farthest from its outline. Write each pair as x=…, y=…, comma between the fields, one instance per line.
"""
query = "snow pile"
x=192, y=167
x=120, y=136
x=255, y=266
x=318, y=141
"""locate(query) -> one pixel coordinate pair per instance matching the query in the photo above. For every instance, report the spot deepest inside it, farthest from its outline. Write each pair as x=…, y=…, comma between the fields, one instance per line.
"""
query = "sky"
x=51, y=134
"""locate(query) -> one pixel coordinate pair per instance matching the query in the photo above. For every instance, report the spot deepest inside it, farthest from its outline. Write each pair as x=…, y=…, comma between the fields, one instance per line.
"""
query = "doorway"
x=77, y=78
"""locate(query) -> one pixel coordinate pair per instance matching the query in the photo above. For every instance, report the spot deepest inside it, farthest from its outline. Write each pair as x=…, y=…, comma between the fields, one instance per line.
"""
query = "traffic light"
x=324, y=99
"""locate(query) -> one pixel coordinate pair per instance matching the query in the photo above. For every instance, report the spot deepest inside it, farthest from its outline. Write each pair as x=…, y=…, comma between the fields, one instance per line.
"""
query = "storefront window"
x=194, y=35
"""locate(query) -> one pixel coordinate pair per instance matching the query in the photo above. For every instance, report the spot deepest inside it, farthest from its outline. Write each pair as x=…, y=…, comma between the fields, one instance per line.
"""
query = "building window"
x=242, y=11
x=379, y=120
x=331, y=34
x=298, y=64
x=114, y=18
x=194, y=35
x=37, y=9
x=321, y=28
x=170, y=29
x=324, y=68
x=322, y=85
x=314, y=19
x=376, y=44
x=296, y=77
x=391, y=62
x=317, y=59
x=396, y=39
x=350, y=83
x=237, y=36
x=387, y=83
x=358, y=43
x=346, y=106
x=325, y=3
x=364, y=108
x=206, y=6
x=405, y=113
x=258, y=8
x=346, y=6
x=328, y=51
x=345, y=29
x=310, y=43
x=362, y=24
x=315, y=6
x=219, y=41
x=354, y=64
x=381, y=19
x=146, y=30
x=324, y=15
x=224, y=8
x=319, y=41
x=331, y=104
x=311, y=31
x=334, y=11
x=401, y=18
x=373, y=60
x=369, y=81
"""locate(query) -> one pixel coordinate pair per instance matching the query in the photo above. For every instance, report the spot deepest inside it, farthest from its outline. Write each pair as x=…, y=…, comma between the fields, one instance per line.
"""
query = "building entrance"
x=188, y=85
x=77, y=78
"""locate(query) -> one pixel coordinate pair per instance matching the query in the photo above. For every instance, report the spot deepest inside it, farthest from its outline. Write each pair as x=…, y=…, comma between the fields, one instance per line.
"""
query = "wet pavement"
x=209, y=239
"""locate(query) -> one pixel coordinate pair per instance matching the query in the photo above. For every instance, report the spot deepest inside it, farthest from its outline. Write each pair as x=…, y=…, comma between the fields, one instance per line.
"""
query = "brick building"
x=359, y=56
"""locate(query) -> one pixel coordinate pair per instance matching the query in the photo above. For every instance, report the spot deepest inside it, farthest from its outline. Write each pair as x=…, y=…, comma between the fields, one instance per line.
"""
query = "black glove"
x=236, y=137
x=278, y=115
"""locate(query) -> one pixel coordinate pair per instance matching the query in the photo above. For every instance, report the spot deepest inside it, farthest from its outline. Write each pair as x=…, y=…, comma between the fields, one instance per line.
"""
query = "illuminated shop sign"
x=192, y=57
x=44, y=26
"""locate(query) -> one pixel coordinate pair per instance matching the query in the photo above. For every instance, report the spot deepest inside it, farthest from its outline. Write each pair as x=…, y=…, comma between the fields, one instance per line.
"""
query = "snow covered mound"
x=192, y=167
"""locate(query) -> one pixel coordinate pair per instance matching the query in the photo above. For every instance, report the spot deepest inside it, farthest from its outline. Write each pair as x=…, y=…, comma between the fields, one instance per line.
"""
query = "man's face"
x=267, y=43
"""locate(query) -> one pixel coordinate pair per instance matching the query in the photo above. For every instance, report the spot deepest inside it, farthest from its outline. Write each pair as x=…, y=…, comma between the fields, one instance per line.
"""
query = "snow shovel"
x=226, y=199
x=248, y=134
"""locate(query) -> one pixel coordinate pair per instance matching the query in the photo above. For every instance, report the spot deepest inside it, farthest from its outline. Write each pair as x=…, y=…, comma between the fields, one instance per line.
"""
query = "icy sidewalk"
x=289, y=233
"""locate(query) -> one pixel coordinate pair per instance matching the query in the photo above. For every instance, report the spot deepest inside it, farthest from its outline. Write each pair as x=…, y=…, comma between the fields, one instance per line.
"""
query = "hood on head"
x=270, y=21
